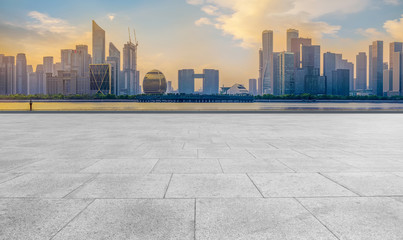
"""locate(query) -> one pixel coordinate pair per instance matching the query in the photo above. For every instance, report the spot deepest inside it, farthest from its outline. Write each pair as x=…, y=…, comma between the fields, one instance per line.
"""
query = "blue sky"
x=176, y=34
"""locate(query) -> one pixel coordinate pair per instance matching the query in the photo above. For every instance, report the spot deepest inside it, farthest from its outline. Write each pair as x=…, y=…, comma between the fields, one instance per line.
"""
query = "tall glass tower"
x=98, y=44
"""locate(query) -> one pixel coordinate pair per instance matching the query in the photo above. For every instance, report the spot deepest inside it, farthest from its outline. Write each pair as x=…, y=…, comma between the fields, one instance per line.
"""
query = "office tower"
x=57, y=67
x=377, y=68
x=291, y=33
x=186, y=81
x=65, y=55
x=260, y=79
x=267, y=53
x=98, y=44
x=210, y=81
x=7, y=75
x=397, y=72
x=100, y=79
x=387, y=86
x=311, y=58
x=114, y=74
x=169, y=87
x=370, y=82
x=345, y=64
x=299, y=80
x=313, y=82
x=296, y=44
x=361, y=70
x=114, y=56
x=41, y=78
x=394, y=47
x=341, y=82
x=329, y=65
x=64, y=83
x=21, y=74
x=252, y=87
x=276, y=73
x=286, y=73
x=80, y=61
x=130, y=84
x=48, y=65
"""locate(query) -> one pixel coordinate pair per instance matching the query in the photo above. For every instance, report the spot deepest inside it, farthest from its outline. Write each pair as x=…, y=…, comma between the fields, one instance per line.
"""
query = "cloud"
x=244, y=20
x=111, y=16
x=395, y=28
x=43, y=23
x=203, y=21
x=392, y=2
x=371, y=33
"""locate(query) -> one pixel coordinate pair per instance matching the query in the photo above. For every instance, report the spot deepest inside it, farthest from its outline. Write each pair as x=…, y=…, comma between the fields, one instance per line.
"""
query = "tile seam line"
x=81, y=185
x=342, y=185
x=166, y=190
x=255, y=185
x=317, y=219
x=71, y=220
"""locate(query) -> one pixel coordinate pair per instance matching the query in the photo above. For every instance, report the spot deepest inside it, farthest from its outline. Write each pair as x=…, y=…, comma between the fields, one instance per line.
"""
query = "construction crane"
x=136, y=43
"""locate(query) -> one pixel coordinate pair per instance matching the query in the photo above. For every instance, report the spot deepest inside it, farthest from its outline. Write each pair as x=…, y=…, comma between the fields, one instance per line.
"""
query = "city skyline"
x=237, y=60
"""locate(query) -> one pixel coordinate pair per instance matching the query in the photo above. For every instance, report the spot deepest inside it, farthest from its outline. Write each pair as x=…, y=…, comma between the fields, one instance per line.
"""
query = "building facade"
x=64, y=83
x=21, y=74
x=100, y=79
x=377, y=68
x=98, y=44
x=361, y=71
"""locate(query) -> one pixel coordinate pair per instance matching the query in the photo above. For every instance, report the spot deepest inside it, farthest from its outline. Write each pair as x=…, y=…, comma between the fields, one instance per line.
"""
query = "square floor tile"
x=128, y=165
x=236, y=165
x=191, y=165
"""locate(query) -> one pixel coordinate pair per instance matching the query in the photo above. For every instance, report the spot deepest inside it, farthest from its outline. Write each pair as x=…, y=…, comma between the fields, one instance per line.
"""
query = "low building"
x=237, y=89
x=64, y=83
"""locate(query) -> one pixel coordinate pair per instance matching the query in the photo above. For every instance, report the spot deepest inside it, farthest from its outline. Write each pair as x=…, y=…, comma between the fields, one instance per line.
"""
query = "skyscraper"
x=114, y=56
x=370, y=82
x=41, y=78
x=329, y=65
x=186, y=81
x=7, y=75
x=361, y=70
x=21, y=74
x=341, y=82
x=267, y=52
x=100, y=79
x=296, y=44
x=291, y=33
x=48, y=65
x=130, y=84
x=394, y=47
x=65, y=55
x=276, y=73
x=260, y=79
x=98, y=44
x=252, y=86
x=286, y=72
x=377, y=68
x=398, y=72
x=311, y=59
x=210, y=81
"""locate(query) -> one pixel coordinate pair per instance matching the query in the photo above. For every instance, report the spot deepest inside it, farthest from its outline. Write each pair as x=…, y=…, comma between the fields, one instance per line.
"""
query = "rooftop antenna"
x=130, y=39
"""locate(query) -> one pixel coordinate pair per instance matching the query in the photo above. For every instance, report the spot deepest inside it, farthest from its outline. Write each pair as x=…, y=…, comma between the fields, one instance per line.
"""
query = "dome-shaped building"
x=154, y=82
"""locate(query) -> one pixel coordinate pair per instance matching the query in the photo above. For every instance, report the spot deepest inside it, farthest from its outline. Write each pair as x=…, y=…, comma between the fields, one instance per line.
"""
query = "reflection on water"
x=257, y=106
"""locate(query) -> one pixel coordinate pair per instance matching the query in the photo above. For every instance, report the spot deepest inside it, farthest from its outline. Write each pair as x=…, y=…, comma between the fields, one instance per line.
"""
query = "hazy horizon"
x=197, y=34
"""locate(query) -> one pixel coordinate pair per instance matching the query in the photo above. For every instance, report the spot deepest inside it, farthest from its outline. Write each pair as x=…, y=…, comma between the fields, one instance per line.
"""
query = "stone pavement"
x=201, y=176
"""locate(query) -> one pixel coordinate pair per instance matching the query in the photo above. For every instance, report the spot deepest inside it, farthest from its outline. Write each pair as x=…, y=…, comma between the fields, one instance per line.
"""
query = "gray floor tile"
x=237, y=165
x=133, y=219
x=211, y=186
x=124, y=186
x=57, y=166
x=191, y=165
x=36, y=218
x=359, y=218
x=251, y=219
x=127, y=165
x=370, y=184
x=297, y=185
x=224, y=153
x=43, y=185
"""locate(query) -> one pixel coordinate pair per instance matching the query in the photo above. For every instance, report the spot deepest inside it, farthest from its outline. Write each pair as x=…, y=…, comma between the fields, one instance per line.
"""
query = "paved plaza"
x=201, y=176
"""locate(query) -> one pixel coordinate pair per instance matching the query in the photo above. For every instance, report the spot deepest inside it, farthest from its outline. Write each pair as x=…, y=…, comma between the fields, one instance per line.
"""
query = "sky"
x=197, y=34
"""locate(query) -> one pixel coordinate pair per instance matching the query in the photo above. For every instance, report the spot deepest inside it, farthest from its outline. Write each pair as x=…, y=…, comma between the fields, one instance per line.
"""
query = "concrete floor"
x=201, y=176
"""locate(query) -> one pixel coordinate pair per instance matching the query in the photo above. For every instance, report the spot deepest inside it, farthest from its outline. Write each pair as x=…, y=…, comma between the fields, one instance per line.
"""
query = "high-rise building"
x=98, y=44
x=114, y=74
x=260, y=79
x=64, y=83
x=21, y=74
x=48, y=65
x=370, y=82
x=57, y=67
x=253, y=86
x=398, y=72
x=286, y=72
x=296, y=44
x=100, y=79
x=80, y=61
x=7, y=75
x=114, y=56
x=361, y=70
x=311, y=57
x=394, y=47
x=210, y=81
x=130, y=84
x=41, y=78
x=387, y=85
x=66, y=55
x=377, y=68
x=276, y=74
x=329, y=65
x=267, y=52
x=291, y=33
x=345, y=64
x=341, y=82
x=186, y=81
